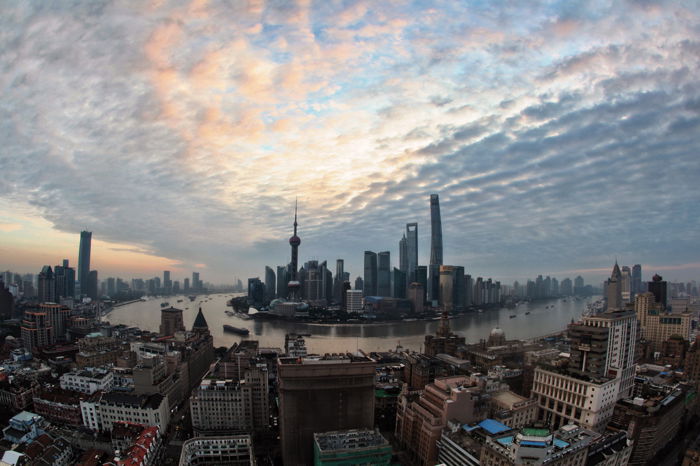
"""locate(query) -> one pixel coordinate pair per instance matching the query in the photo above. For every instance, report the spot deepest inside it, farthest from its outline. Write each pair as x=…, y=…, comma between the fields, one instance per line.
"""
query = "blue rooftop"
x=531, y=443
x=505, y=440
x=560, y=443
x=493, y=427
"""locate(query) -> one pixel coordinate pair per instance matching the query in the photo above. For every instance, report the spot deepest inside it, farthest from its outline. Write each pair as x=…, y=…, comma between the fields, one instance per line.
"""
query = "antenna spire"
x=295, y=216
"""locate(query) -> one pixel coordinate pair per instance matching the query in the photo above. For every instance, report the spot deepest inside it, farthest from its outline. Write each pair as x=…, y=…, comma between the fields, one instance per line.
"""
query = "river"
x=545, y=317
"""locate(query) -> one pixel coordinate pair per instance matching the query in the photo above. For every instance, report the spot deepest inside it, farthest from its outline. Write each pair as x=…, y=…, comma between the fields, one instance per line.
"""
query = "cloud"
x=186, y=130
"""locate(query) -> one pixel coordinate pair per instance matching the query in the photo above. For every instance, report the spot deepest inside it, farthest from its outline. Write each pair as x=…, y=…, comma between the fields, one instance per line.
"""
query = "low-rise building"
x=351, y=447
x=235, y=450
x=150, y=410
x=59, y=406
x=88, y=381
x=513, y=410
x=144, y=449
x=24, y=427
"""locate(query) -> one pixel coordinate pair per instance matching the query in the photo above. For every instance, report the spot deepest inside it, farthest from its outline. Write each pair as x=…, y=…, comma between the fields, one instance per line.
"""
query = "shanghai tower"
x=84, y=260
x=435, y=248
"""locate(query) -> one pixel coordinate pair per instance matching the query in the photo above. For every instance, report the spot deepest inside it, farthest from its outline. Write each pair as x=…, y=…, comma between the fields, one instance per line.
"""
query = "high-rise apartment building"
x=412, y=252
x=46, y=285
x=370, y=278
x=322, y=394
x=384, y=274
x=65, y=281
x=84, y=260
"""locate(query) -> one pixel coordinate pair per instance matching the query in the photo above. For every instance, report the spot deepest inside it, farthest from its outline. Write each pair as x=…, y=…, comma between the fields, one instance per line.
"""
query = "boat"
x=179, y=300
x=237, y=330
x=192, y=297
x=166, y=304
x=513, y=316
x=527, y=313
x=229, y=313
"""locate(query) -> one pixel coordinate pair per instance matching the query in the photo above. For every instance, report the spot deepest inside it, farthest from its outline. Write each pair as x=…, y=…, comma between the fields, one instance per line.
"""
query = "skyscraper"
x=338, y=280
x=84, y=260
x=411, y=252
x=196, y=284
x=403, y=254
x=370, y=280
x=46, y=285
x=435, y=248
x=384, y=274
x=613, y=289
x=282, y=280
x=167, y=282
x=637, y=279
x=270, y=283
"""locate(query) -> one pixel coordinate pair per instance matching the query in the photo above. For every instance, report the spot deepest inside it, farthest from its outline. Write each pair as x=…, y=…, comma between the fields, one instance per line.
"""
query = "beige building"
x=420, y=419
x=513, y=410
x=656, y=325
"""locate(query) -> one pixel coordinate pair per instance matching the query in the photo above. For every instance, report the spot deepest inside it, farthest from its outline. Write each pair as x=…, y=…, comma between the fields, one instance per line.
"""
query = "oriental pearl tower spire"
x=294, y=242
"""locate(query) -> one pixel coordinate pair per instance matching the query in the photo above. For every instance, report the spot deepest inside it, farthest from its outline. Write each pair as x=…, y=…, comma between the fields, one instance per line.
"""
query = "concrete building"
x=235, y=450
x=152, y=410
x=88, y=381
x=171, y=321
x=36, y=329
x=613, y=289
x=353, y=301
x=351, y=447
x=444, y=341
x=513, y=410
x=421, y=416
x=322, y=394
x=657, y=325
x=651, y=422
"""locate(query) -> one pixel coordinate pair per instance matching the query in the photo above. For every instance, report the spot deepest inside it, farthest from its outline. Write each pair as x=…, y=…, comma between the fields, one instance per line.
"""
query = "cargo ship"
x=237, y=330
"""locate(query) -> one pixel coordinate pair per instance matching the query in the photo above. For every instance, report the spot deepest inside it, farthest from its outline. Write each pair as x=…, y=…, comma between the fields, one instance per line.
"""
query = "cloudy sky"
x=559, y=135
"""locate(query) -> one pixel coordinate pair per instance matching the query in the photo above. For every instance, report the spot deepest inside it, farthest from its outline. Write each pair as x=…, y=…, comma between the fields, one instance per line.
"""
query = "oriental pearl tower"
x=294, y=242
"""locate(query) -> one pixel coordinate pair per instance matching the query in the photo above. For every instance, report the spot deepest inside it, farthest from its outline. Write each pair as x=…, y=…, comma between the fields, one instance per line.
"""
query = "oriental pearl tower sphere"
x=294, y=242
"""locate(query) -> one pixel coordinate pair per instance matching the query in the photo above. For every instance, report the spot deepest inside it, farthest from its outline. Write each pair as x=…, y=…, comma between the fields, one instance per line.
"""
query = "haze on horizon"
x=559, y=135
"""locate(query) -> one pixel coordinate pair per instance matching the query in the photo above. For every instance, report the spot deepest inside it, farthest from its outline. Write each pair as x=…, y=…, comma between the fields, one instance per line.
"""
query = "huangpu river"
x=544, y=317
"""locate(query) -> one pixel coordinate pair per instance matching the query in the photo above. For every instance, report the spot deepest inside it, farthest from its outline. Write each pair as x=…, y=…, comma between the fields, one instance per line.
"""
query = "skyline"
x=559, y=137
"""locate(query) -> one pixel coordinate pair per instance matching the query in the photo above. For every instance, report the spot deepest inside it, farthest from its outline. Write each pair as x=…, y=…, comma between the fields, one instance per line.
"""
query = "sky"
x=559, y=135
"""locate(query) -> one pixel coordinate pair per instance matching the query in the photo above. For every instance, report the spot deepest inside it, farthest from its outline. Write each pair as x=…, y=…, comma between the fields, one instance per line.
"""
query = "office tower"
x=412, y=252
x=637, y=279
x=578, y=285
x=92, y=292
x=601, y=371
x=65, y=281
x=334, y=392
x=435, y=249
x=256, y=291
x=84, y=260
x=659, y=288
x=282, y=280
x=185, y=285
x=422, y=278
x=338, y=280
x=403, y=254
x=270, y=283
x=167, y=283
x=359, y=284
x=176, y=286
x=416, y=294
x=294, y=286
x=46, y=285
x=384, y=274
x=370, y=278
x=468, y=291
x=171, y=321
x=111, y=286
x=399, y=283
x=613, y=289
x=554, y=291
x=626, y=284
x=326, y=282
x=196, y=284
x=446, y=295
